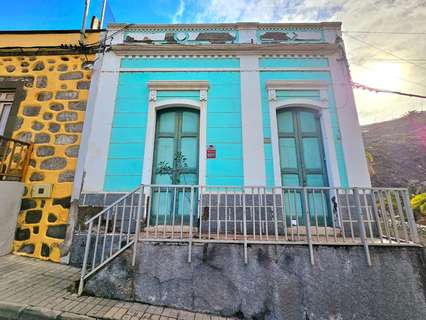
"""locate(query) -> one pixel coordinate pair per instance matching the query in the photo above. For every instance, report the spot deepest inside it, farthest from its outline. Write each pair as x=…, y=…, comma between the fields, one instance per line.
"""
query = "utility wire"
x=385, y=32
x=386, y=51
x=356, y=85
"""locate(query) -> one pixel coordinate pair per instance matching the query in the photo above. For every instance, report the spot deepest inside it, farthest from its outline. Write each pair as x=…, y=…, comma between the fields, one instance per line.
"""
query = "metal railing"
x=249, y=215
x=14, y=159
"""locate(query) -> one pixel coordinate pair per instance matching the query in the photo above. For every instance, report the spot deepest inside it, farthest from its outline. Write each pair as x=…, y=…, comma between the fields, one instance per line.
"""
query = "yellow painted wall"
x=51, y=116
x=44, y=39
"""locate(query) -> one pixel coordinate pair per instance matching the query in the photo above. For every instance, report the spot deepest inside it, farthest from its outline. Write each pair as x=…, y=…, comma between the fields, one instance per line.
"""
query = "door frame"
x=321, y=106
x=154, y=105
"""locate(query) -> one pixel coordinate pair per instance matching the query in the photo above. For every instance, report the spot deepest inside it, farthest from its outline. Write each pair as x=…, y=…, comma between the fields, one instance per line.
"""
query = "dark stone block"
x=10, y=68
x=74, y=127
x=41, y=82
x=57, y=231
x=44, y=151
x=22, y=234
x=57, y=107
x=18, y=123
x=25, y=64
x=38, y=66
x=66, y=95
x=67, y=116
x=36, y=230
x=33, y=216
x=44, y=96
x=37, y=126
x=24, y=136
x=31, y=111
x=72, y=151
x=54, y=163
x=37, y=176
x=52, y=217
x=83, y=85
x=27, y=248
x=45, y=250
x=65, y=139
x=28, y=204
x=73, y=75
x=41, y=138
x=62, y=67
x=66, y=176
x=64, y=202
x=54, y=127
x=77, y=105
x=47, y=115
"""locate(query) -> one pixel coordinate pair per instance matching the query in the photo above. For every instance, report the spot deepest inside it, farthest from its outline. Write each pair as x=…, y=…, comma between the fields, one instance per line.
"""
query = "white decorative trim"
x=153, y=106
x=178, y=85
x=325, y=120
x=296, y=85
x=131, y=70
x=203, y=95
x=152, y=95
x=272, y=95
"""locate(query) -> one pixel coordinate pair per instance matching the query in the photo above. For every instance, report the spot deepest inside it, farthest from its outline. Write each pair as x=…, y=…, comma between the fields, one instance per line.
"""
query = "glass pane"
x=308, y=122
x=285, y=121
x=165, y=149
x=167, y=122
x=315, y=180
x=189, y=148
x=162, y=179
x=190, y=122
x=311, y=153
x=188, y=178
x=317, y=205
x=288, y=153
x=290, y=180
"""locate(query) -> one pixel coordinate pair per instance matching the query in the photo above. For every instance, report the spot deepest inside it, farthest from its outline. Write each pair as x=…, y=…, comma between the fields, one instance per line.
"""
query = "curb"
x=13, y=311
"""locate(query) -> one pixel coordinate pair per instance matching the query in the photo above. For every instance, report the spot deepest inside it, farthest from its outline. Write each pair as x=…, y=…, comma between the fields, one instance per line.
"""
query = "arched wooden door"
x=176, y=158
x=302, y=162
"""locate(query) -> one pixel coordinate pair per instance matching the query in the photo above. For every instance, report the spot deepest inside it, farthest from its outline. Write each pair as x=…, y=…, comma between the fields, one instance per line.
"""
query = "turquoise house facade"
x=243, y=104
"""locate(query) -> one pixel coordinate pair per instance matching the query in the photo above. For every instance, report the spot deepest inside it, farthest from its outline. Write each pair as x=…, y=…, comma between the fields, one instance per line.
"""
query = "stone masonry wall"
x=51, y=116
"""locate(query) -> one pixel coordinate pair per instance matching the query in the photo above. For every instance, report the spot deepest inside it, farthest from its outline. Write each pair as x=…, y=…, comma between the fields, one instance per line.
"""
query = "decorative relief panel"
x=283, y=36
x=184, y=37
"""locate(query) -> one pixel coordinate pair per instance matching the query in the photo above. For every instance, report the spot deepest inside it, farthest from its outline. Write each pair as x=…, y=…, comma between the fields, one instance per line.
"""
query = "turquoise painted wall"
x=311, y=94
x=127, y=142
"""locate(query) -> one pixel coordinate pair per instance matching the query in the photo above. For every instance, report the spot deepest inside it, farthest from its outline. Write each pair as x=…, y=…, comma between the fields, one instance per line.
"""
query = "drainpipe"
x=83, y=26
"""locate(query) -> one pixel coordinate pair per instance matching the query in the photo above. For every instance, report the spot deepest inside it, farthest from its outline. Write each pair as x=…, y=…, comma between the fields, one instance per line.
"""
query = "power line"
x=385, y=32
x=386, y=51
x=364, y=87
x=395, y=77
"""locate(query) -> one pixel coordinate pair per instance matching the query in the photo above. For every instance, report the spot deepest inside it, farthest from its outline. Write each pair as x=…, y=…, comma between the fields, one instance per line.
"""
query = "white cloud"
x=179, y=12
x=361, y=15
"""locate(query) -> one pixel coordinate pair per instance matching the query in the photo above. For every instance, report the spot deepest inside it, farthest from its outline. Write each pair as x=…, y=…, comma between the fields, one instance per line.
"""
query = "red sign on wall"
x=211, y=152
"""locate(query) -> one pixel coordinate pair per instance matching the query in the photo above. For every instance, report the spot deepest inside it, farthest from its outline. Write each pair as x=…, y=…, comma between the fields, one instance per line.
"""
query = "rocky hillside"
x=396, y=151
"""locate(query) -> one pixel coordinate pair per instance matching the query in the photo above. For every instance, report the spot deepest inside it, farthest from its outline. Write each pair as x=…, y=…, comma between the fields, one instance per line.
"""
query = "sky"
x=385, y=39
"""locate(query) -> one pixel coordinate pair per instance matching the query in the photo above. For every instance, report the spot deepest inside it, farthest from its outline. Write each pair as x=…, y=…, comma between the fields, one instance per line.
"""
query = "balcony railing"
x=249, y=215
x=14, y=159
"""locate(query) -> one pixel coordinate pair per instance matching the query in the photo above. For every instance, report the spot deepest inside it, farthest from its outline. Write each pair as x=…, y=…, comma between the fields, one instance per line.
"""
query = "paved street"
x=35, y=289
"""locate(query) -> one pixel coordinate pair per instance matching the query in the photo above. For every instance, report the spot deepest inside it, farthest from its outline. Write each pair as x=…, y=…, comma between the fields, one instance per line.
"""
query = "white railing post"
x=361, y=225
x=410, y=217
x=245, y=226
x=191, y=222
x=138, y=225
x=86, y=256
x=308, y=224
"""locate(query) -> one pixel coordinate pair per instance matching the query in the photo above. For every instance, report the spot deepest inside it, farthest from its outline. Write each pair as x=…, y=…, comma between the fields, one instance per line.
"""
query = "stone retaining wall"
x=277, y=283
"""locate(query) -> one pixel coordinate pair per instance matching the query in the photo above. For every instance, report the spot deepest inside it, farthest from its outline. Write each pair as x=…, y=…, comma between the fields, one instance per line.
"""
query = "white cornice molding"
x=201, y=85
x=296, y=85
x=226, y=49
x=222, y=26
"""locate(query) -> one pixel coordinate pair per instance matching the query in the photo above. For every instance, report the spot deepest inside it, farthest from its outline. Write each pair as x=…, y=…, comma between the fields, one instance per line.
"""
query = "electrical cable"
x=364, y=87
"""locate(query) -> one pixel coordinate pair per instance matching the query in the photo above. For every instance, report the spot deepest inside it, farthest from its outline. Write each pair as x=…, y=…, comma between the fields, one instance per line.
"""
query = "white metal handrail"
x=250, y=215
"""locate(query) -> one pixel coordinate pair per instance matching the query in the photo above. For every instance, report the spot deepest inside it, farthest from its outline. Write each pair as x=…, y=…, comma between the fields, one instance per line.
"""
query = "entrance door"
x=302, y=162
x=175, y=163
